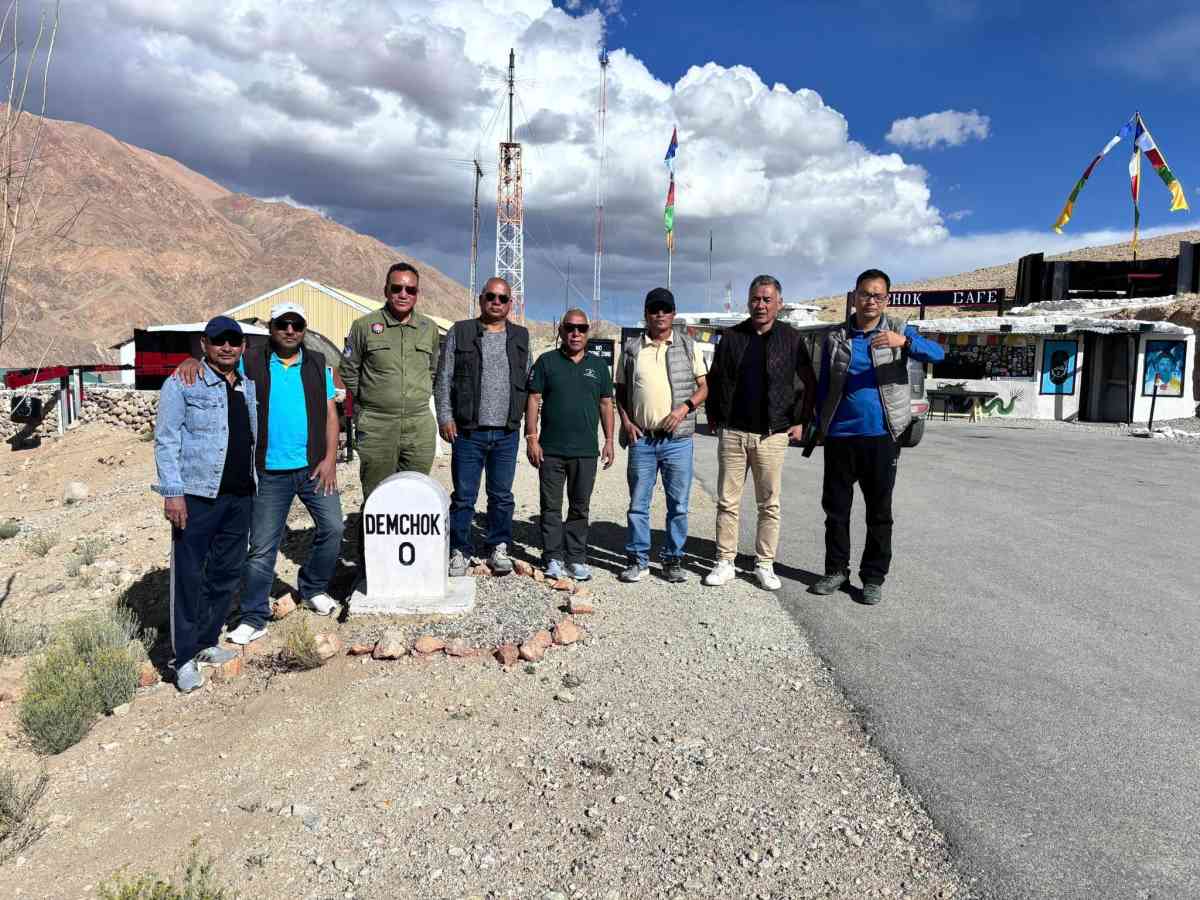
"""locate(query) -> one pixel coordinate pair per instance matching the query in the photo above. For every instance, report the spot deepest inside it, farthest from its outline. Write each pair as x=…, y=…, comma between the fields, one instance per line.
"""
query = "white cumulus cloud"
x=365, y=112
x=948, y=128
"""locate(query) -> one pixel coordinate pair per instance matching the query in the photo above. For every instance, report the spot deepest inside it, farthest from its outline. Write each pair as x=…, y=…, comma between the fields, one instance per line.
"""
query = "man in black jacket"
x=480, y=392
x=761, y=394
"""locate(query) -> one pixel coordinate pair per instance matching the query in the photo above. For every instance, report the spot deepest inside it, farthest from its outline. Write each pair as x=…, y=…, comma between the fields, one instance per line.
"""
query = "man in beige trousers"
x=761, y=393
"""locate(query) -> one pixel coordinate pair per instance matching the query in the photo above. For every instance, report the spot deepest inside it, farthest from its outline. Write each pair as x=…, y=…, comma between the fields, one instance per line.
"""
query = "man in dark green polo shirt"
x=573, y=392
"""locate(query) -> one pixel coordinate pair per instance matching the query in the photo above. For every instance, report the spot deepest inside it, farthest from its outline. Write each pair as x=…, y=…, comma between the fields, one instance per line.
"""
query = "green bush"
x=60, y=702
x=88, y=670
x=90, y=634
x=19, y=827
x=74, y=564
x=198, y=883
x=9, y=530
x=40, y=545
x=116, y=676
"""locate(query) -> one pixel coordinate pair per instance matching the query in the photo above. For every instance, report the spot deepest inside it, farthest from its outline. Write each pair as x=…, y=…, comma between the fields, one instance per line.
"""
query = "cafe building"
x=1062, y=367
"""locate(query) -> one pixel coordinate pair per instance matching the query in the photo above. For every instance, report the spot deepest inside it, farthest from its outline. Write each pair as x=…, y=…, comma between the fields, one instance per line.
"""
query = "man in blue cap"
x=204, y=451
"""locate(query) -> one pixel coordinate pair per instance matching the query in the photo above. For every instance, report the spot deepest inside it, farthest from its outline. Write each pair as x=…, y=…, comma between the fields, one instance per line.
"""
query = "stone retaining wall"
x=121, y=407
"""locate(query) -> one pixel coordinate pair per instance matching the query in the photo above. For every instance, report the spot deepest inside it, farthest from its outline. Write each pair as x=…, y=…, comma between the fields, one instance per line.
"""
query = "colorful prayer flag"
x=1135, y=180
x=669, y=215
x=1146, y=143
x=669, y=159
x=1065, y=216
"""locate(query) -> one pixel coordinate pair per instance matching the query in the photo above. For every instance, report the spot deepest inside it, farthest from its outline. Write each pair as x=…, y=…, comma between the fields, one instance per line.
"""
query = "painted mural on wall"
x=1058, y=367
x=1166, y=361
x=998, y=406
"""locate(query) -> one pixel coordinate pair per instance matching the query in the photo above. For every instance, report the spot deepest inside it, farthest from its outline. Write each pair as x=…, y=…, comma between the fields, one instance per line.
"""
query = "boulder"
x=507, y=654
x=391, y=645
x=580, y=607
x=531, y=651
x=282, y=606
x=427, y=644
x=328, y=645
x=75, y=491
x=458, y=647
x=148, y=675
x=566, y=632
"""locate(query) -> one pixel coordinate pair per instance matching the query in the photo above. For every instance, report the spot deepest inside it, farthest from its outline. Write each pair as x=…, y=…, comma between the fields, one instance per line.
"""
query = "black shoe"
x=673, y=572
x=829, y=583
x=872, y=593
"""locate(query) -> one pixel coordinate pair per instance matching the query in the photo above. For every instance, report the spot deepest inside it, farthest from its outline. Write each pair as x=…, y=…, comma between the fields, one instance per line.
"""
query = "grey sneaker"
x=215, y=656
x=499, y=560
x=829, y=583
x=634, y=572
x=872, y=593
x=554, y=569
x=580, y=571
x=673, y=571
x=188, y=677
x=458, y=564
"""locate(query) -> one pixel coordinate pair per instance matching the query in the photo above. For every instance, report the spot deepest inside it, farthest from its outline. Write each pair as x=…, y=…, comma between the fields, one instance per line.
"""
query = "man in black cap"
x=204, y=441
x=660, y=382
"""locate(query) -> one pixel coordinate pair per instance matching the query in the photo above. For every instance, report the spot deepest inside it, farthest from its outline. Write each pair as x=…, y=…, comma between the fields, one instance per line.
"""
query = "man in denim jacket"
x=204, y=451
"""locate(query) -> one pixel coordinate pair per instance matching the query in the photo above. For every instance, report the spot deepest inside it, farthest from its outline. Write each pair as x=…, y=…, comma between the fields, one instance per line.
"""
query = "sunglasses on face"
x=289, y=325
x=493, y=297
x=580, y=327
x=233, y=340
x=410, y=289
x=659, y=311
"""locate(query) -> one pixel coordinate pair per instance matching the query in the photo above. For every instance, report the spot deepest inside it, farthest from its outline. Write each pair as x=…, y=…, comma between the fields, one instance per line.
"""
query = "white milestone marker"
x=407, y=550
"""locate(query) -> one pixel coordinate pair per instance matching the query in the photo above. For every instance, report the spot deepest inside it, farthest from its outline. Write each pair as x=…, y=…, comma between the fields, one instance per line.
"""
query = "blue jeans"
x=673, y=458
x=276, y=490
x=490, y=450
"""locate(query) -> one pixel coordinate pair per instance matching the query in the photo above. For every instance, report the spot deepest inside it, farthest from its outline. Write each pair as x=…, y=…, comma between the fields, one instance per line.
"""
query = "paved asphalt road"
x=1032, y=670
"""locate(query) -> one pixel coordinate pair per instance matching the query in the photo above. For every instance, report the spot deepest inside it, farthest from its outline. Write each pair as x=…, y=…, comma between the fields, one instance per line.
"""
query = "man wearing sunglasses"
x=572, y=392
x=660, y=382
x=480, y=391
x=296, y=456
x=204, y=440
x=388, y=367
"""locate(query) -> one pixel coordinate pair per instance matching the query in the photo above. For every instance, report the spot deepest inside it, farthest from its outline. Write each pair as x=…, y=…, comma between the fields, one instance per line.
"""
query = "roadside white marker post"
x=407, y=551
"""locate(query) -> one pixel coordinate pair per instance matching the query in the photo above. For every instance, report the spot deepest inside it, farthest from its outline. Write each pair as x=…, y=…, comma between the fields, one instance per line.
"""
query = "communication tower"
x=510, y=209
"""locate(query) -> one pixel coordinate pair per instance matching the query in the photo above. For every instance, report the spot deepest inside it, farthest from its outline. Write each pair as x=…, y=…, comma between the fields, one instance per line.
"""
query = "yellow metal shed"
x=328, y=310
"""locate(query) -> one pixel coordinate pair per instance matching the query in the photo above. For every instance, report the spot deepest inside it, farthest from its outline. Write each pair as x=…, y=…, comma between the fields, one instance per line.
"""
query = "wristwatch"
x=690, y=405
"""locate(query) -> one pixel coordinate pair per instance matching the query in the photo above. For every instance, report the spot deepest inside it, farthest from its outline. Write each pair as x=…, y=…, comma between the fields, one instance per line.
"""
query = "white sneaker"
x=321, y=604
x=767, y=579
x=721, y=573
x=245, y=634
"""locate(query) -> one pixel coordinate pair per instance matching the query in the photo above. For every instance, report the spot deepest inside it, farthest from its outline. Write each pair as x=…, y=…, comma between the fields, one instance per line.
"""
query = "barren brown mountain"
x=125, y=237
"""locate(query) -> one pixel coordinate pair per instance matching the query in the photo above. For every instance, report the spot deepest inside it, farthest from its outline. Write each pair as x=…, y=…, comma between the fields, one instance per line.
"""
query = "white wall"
x=1023, y=389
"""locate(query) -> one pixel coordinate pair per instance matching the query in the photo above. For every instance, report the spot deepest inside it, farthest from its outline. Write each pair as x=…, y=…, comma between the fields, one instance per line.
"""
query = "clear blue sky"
x=1056, y=79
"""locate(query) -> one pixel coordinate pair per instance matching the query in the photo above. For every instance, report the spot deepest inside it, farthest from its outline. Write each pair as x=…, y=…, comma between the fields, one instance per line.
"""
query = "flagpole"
x=1137, y=152
x=670, y=253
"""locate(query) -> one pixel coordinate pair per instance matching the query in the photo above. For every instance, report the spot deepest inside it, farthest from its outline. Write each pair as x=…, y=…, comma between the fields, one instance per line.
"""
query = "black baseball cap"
x=660, y=299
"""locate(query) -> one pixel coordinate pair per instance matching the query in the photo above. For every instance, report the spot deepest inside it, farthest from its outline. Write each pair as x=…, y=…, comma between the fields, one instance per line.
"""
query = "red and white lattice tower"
x=510, y=210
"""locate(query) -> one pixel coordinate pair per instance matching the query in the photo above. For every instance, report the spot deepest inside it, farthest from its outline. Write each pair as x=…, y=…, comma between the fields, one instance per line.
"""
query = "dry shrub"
x=198, y=883
x=19, y=827
x=300, y=648
x=40, y=545
x=108, y=629
x=60, y=702
x=18, y=639
x=9, y=530
x=115, y=675
x=88, y=549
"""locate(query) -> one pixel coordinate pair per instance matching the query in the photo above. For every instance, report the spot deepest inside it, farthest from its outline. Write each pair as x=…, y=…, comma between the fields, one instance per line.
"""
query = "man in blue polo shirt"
x=296, y=457
x=865, y=405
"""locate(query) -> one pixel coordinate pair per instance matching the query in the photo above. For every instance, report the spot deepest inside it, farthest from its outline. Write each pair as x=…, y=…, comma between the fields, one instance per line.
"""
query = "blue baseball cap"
x=218, y=325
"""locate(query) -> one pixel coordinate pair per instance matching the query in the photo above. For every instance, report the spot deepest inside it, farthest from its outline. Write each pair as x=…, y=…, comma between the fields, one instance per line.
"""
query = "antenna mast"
x=510, y=209
x=474, y=241
x=603, y=115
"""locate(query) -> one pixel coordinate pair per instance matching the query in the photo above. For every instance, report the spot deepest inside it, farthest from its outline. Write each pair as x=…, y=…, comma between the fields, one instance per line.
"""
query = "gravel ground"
x=691, y=746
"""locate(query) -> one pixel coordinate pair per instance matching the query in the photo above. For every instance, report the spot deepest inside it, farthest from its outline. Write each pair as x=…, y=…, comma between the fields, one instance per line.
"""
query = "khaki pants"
x=737, y=453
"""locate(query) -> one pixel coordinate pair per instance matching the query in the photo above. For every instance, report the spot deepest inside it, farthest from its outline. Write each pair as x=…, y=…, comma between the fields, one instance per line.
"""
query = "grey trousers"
x=578, y=475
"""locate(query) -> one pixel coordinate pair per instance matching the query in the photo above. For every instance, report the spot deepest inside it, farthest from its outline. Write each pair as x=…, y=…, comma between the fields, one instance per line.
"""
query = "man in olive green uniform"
x=388, y=367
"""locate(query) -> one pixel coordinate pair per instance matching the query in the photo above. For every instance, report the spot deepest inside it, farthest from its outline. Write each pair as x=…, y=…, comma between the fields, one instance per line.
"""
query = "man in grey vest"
x=480, y=391
x=865, y=406
x=660, y=382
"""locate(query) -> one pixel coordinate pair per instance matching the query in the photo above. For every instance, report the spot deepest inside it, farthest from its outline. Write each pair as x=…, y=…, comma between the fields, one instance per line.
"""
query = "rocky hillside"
x=125, y=237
